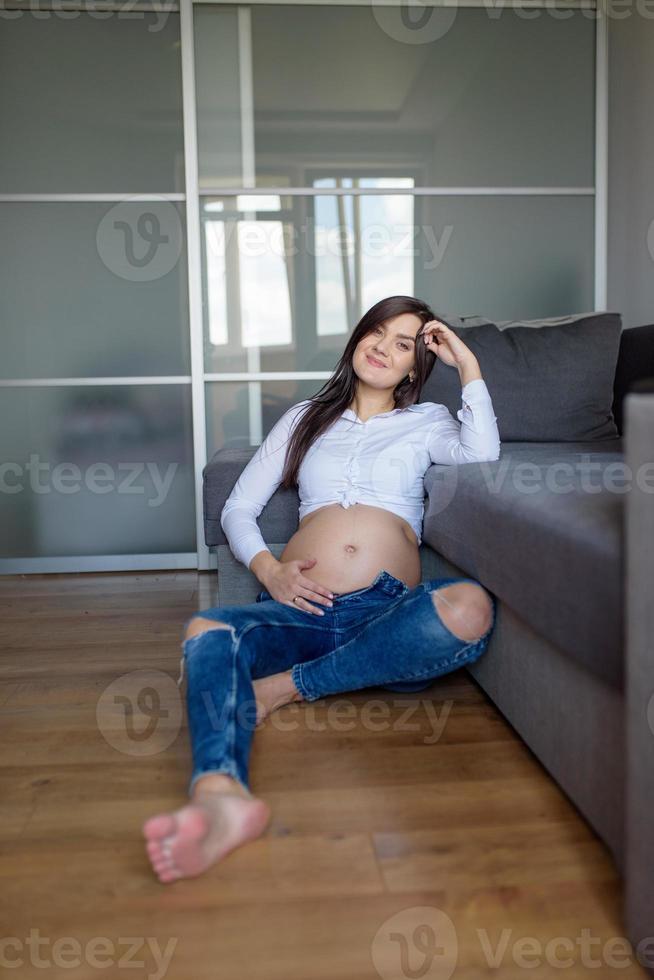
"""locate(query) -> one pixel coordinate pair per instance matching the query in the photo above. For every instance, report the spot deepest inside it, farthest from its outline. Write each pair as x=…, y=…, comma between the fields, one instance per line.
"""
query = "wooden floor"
x=431, y=844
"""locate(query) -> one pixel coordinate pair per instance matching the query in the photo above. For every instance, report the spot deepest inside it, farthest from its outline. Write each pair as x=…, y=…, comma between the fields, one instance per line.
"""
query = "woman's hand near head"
x=445, y=344
x=286, y=580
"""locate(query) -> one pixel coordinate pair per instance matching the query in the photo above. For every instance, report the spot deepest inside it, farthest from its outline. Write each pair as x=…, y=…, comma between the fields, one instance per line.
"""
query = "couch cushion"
x=552, y=384
x=554, y=556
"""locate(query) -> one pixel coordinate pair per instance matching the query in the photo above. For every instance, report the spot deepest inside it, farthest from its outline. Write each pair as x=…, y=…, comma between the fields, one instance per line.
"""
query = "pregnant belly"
x=352, y=545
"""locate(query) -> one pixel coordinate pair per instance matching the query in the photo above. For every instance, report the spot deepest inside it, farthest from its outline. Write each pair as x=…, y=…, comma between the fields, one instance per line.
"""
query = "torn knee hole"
x=467, y=619
x=200, y=625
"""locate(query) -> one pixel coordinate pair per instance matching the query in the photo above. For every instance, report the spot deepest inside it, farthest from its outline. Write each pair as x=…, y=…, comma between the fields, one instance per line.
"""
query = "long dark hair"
x=337, y=393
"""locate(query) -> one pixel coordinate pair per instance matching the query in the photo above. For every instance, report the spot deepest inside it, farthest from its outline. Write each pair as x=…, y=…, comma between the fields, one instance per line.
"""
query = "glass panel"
x=444, y=95
x=93, y=290
x=506, y=257
x=91, y=102
x=217, y=93
x=96, y=471
x=286, y=283
x=240, y=414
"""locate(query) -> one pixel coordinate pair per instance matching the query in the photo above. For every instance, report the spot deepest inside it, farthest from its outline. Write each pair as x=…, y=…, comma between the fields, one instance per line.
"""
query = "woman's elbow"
x=492, y=457
x=224, y=514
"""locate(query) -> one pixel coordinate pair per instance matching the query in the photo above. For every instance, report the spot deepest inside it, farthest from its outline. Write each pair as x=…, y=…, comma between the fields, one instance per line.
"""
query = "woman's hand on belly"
x=287, y=583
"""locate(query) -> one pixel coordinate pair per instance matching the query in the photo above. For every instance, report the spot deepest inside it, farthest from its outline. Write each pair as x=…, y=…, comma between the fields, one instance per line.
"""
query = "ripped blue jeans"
x=385, y=635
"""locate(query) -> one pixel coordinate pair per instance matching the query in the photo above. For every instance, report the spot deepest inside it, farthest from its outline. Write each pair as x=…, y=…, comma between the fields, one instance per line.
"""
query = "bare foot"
x=186, y=842
x=273, y=692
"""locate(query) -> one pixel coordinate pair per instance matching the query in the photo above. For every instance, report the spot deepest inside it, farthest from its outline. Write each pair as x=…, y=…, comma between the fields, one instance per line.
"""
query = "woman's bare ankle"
x=218, y=782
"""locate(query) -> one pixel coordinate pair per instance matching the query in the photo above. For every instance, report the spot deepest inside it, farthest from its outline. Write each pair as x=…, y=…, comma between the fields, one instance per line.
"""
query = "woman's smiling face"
x=386, y=355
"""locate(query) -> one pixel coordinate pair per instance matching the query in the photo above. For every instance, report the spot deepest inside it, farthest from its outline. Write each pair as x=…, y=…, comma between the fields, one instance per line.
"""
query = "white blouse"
x=380, y=462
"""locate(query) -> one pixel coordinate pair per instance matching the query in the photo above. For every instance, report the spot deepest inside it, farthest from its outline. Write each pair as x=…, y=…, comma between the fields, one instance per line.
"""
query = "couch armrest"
x=635, y=357
x=218, y=477
x=639, y=654
x=279, y=518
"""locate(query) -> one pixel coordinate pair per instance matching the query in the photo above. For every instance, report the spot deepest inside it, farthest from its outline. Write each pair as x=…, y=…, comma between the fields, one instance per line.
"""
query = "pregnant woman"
x=343, y=608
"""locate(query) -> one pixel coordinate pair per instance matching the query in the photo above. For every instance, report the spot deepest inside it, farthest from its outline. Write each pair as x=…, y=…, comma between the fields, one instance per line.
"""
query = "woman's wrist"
x=262, y=564
x=469, y=370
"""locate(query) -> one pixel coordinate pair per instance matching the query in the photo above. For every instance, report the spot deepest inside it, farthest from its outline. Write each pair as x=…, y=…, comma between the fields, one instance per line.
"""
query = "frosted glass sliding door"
x=342, y=159
x=499, y=97
x=198, y=204
x=96, y=430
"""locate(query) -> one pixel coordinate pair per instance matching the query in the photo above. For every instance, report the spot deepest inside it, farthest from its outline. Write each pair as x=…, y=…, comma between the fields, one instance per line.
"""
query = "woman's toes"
x=170, y=875
x=160, y=826
x=155, y=856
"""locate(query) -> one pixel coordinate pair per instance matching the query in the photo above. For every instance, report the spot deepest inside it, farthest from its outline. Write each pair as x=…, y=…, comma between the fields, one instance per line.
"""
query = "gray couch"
x=571, y=660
